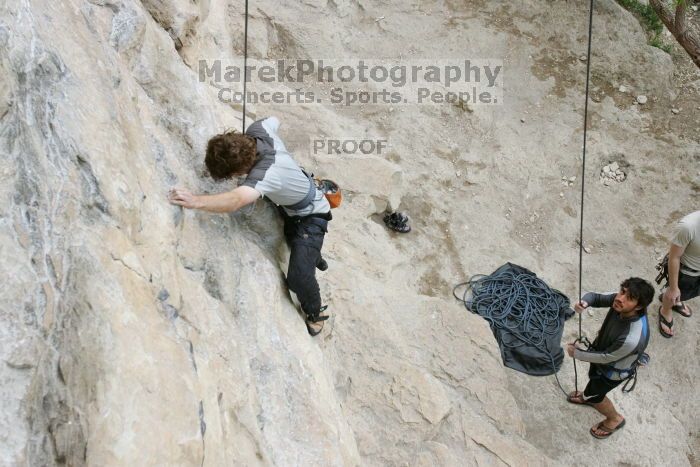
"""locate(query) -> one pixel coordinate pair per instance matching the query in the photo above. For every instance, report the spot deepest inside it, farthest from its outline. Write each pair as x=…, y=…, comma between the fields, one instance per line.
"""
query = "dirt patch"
x=560, y=65
x=432, y=284
x=643, y=237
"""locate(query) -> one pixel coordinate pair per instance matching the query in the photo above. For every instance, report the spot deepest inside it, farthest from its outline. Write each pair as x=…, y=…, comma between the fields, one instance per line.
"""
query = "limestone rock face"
x=133, y=332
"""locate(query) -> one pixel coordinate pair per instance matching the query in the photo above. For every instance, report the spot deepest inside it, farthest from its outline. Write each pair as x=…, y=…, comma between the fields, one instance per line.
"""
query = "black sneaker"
x=398, y=222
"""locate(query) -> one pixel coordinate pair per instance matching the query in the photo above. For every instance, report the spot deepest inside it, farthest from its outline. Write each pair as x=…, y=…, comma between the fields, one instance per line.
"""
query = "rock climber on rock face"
x=270, y=171
x=616, y=350
x=683, y=272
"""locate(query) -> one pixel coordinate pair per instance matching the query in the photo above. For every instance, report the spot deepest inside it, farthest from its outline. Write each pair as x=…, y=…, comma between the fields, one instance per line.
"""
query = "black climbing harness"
x=662, y=267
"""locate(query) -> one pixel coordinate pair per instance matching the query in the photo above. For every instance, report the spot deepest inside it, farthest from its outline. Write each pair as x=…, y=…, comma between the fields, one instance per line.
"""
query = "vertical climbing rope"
x=245, y=62
x=583, y=181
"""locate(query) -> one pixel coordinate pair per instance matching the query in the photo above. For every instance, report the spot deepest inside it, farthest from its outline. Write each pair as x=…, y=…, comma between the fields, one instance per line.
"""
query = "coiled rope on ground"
x=519, y=303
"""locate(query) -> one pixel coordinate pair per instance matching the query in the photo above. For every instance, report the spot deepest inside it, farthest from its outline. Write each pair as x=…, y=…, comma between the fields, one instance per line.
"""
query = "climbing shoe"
x=322, y=265
x=397, y=221
x=314, y=323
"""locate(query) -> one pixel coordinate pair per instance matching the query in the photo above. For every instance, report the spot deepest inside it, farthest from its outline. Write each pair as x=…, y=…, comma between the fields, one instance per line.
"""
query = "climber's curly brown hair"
x=230, y=154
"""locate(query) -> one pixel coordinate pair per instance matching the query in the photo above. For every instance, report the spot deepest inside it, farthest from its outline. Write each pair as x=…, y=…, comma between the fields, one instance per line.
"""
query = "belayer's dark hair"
x=229, y=154
x=640, y=290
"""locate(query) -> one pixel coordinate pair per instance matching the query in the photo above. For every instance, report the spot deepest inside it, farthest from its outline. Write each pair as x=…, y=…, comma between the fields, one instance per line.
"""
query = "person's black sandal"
x=667, y=323
x=679, y=307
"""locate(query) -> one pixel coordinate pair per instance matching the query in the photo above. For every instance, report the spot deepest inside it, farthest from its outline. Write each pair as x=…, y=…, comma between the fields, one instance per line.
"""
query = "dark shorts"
x=598, y=386
x=689, y=285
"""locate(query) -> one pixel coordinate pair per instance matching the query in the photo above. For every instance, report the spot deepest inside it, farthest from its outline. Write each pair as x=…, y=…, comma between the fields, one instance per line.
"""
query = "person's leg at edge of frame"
x=689, y=287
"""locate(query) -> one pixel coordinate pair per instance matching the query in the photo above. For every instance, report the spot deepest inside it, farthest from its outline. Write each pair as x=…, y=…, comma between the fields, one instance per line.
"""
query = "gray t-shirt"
x=276, y=175
x=687, y=235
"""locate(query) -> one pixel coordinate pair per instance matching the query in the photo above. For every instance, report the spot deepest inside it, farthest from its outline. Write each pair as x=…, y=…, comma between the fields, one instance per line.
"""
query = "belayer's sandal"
x=608, y=431
x=577, y=399
x=316, y=319
x=665, y=322
x=679, y=309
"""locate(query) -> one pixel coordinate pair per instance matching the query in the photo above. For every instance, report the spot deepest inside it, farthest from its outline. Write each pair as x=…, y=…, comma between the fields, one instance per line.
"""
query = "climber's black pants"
x=304, y=236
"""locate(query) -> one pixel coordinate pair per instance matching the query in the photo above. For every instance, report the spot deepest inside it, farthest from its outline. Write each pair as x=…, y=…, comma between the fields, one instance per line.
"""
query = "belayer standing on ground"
x=261, y=155
x=615, y=353
x=683, y=272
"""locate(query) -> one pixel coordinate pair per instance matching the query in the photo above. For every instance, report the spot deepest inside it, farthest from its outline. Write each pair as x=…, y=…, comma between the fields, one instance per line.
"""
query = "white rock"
x=614, y=166
x=606, y=169
x=572, y=179
x=622, y=88
x=675, y=111
x=642, y=99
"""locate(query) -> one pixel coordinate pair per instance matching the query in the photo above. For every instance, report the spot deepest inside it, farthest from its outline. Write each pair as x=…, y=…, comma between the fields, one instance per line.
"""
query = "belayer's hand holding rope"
x=572, y=347
x=580, y=306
